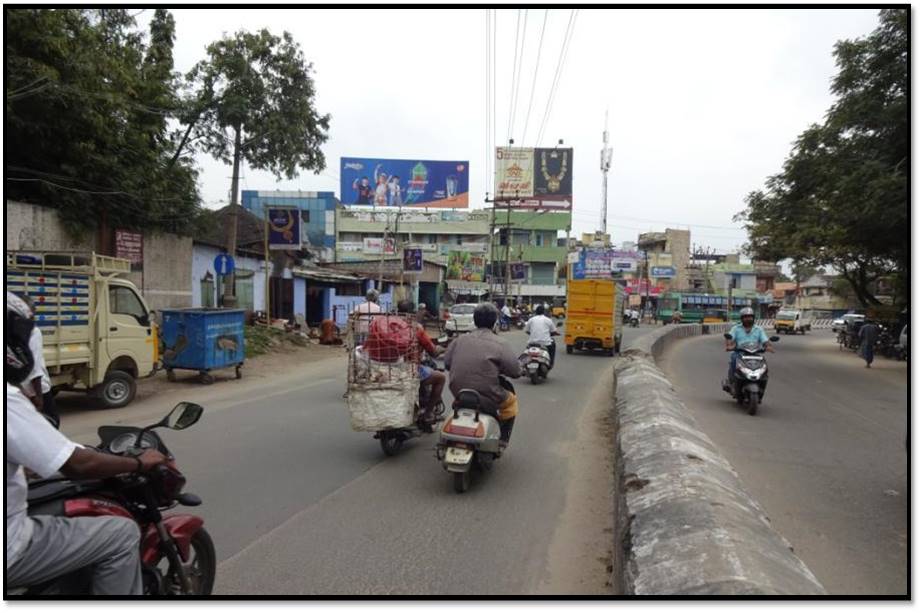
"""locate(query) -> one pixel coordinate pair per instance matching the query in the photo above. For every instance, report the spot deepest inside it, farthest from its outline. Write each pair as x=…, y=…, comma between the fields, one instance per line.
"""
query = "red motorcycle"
x=177, y=553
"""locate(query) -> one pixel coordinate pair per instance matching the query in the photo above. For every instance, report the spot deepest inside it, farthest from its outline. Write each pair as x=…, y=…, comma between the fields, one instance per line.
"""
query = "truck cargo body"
x=594, y=309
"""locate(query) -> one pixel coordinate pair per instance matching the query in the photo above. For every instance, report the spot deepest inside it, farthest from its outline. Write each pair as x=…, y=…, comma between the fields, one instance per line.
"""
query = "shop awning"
x=324, y=275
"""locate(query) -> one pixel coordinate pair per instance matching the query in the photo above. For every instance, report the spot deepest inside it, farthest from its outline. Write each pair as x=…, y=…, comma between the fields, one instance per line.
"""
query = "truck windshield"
x=123, y=301
x=786, y=315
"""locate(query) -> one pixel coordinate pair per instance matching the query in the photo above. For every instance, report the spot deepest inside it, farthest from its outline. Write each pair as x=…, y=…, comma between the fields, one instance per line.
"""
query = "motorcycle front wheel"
x=202, y=568
x=752, y=404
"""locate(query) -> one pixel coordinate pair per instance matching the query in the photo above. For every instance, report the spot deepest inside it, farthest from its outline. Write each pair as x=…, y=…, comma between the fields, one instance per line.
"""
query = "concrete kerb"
x=684, y=522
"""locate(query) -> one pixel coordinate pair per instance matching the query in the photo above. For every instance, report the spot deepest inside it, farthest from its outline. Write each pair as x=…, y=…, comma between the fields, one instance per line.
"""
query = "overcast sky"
x=703, y=104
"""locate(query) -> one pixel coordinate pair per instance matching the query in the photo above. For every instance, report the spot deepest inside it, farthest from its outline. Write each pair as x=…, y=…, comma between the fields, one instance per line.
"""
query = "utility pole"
x=229, y=299
x=606, y=155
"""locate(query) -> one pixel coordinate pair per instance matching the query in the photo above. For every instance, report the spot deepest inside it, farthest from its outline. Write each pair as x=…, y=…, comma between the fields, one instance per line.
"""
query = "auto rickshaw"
x=716, y=316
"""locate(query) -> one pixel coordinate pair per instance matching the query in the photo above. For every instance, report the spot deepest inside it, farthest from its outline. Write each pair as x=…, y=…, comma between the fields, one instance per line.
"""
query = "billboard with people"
x=401, y=183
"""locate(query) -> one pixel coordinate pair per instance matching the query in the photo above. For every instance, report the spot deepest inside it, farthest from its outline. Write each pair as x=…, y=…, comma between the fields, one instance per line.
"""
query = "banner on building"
x=398, y=183
x=425, y=247
x=464, y=266
x=593, y=263
x=474, y=247
x=374, y=246
x=517, y=271
x=284, y=226
x=662, y=272
x=642, y=287
x=534, y=178
x=130, y=246
x=412, y=260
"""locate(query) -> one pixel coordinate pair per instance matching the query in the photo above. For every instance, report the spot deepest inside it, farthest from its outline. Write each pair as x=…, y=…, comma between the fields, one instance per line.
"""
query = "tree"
x=841, y=199
x=87, y=104
x=253, y=101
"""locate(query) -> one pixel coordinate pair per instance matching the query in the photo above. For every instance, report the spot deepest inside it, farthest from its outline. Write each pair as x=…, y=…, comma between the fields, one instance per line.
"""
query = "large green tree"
x=841, y=199
x=87, y=104
x=252, y=100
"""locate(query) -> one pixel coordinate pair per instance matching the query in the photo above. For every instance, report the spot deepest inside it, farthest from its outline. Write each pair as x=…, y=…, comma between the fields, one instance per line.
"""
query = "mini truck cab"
x=791, y=321
x=96, y=328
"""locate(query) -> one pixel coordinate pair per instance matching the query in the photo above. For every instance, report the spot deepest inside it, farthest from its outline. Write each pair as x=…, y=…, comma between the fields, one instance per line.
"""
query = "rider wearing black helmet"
x=42, y=547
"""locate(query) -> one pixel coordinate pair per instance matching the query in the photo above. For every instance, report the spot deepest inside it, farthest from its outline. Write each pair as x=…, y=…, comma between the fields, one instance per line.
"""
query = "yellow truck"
x=96, y=328
x=593, y=315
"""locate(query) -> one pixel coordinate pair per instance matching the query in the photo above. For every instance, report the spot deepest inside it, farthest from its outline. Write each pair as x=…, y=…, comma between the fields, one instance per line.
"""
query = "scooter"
x=470, y=437
x=535, y=361
x=177, y=553
x=634, y=321
x=750, y=377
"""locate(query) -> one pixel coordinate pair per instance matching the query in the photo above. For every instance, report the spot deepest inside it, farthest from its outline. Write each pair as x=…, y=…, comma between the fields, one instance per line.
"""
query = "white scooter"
x=470, y=437
x=535, y=361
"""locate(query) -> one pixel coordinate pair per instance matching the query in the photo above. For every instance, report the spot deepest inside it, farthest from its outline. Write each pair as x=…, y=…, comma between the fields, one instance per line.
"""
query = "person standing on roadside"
x=868, y=334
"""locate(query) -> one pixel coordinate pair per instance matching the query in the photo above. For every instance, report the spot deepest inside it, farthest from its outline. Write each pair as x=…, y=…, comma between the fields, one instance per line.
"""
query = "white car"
x=838, y=325
x=460, y=319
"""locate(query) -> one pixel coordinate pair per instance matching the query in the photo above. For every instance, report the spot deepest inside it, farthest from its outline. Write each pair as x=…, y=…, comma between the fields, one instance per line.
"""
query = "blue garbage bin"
x=202, y=339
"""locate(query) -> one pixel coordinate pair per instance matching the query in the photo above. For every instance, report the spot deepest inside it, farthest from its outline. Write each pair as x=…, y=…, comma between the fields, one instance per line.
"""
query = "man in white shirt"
x=42, y=547
x=506, y=314
x=38, y=384
x=541, y=329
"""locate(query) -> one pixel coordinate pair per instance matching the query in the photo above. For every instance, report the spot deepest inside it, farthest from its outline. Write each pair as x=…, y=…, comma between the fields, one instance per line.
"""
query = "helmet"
x=747, y=312
x=19, y=324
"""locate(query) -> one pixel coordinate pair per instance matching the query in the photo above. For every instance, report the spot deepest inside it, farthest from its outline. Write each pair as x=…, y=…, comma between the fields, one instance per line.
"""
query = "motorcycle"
x=392, y=440
x=470, y=438
x=177, y=553
x=535, y=361
x=750, y=376
x=634, y=321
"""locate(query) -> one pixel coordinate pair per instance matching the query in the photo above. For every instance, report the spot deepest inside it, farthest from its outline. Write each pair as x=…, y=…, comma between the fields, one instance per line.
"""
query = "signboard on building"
x=284, y=226
x=396, y=183
x=640, y=286
x=130, y=246
x=517, y=271
x=464, y=266
x=534, y=178
x=572, y=257
x=473, y=247
x=662, y=271
x=412, y=260
x=372, y=246
x=425, y=247
x=593, y=263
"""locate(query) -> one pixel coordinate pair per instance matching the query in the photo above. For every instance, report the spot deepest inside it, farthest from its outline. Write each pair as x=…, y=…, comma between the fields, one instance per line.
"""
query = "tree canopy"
x=88, y=99
x=841, y=199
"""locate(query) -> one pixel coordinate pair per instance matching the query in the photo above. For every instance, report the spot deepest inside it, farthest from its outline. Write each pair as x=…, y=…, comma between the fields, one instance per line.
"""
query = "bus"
x=694, y=307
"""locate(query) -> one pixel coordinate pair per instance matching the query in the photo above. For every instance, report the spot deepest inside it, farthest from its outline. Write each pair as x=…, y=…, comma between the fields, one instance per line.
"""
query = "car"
x=460, y=319
x=839, y=325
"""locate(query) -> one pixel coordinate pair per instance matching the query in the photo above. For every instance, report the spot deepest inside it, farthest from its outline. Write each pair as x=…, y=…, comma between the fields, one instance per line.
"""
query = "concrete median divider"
x=684, y=523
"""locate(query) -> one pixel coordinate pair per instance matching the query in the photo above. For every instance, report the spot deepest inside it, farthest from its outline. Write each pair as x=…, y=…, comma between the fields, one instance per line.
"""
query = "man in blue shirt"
x=746, y=332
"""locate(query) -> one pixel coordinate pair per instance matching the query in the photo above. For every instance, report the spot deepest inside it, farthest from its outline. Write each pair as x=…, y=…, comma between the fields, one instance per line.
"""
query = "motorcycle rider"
x=541, y=329
x=41, y=548
x=506, y=315
x=742, y=333
x=427, y=376
x=476, y=360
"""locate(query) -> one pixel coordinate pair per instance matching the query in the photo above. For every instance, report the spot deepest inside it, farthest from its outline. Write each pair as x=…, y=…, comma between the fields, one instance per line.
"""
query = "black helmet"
x=19, y=324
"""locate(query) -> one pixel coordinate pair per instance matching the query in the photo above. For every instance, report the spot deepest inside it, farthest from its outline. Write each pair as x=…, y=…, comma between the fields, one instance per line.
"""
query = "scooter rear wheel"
x=462, y=482
x=391, y=443
x=535, y=378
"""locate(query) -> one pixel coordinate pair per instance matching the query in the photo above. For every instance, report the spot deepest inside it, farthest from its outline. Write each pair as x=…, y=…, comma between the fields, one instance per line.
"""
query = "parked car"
x=840, y=324
x=460, y=319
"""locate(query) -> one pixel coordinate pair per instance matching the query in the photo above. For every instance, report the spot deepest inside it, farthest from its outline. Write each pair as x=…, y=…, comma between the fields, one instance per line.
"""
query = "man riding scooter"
x=541, y=329
x=741, y=334
x=427, y=376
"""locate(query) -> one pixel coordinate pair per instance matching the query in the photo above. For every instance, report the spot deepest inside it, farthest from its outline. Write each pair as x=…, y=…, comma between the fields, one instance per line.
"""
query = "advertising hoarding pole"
x=268, y=279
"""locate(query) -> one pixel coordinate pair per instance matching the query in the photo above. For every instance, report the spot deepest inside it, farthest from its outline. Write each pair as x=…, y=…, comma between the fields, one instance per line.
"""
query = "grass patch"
x=261, y=340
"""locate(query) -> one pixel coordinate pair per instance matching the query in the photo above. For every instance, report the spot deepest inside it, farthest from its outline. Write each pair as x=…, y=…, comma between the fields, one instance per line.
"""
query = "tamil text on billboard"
x=464, y=266
x=130, y=245
x=419, y=183
x=593, y=264
x=534, y=178
x=284, y=227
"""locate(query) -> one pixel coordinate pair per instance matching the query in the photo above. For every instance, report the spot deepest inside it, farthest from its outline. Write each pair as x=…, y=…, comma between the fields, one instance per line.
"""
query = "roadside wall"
x=684, y=523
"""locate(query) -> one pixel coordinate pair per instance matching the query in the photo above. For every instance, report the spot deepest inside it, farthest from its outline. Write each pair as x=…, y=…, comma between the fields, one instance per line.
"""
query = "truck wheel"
x=207, y=378
x=617, y=347
x=170, y=375
x=568, y=348
x=117, y=389
x=238, y=371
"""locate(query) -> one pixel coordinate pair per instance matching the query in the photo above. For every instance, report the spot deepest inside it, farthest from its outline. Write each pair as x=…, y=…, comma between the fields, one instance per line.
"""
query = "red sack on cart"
x=389, y=338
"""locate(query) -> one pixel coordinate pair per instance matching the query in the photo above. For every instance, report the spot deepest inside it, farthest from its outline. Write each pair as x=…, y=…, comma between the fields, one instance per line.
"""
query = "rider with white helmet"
x=745, y=332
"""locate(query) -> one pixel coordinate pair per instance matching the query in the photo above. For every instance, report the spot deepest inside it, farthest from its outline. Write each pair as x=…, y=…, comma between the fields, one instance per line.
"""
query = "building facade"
x=528, y=243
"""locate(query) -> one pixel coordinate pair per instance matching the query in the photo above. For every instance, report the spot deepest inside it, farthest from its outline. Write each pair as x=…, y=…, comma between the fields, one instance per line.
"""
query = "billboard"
x=534, y=178
x=662, y=271
x=420, y=183
x=464, y=266
x=412, y=260
x=130, y=245
x=518, y=271
x=284, y=227
x=593, y=264
x=374, y=246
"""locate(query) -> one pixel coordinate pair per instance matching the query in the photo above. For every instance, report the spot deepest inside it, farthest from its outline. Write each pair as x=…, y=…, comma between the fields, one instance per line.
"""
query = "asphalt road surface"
x=825, y=455
x=298, y=503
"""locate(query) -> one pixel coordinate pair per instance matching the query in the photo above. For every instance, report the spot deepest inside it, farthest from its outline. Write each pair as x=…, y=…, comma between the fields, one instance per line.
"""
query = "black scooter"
x=750, y=376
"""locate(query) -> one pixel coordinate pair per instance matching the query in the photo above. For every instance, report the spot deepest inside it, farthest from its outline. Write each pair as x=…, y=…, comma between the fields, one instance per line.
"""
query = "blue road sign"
x=223, y=264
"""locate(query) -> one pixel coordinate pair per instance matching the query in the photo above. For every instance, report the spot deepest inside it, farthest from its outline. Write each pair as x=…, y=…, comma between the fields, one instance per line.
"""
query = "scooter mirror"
x=774, y=339
x=183, y=415
x=727, y=336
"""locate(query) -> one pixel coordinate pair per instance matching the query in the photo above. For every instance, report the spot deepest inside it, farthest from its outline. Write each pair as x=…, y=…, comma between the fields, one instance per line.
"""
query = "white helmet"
x=747, y=311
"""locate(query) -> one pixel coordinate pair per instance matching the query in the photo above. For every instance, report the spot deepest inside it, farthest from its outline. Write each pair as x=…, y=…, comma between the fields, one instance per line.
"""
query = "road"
x=825, y=456
x=298, y=503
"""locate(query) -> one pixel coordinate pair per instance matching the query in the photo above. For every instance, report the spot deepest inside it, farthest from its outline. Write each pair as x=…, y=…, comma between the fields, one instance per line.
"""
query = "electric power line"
x=540, y=45
x=514, y=68
x=564, y=51
x=517, y=81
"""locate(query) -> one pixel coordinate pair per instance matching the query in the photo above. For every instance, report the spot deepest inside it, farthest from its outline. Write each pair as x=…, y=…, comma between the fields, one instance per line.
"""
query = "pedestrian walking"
x=867, y=335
